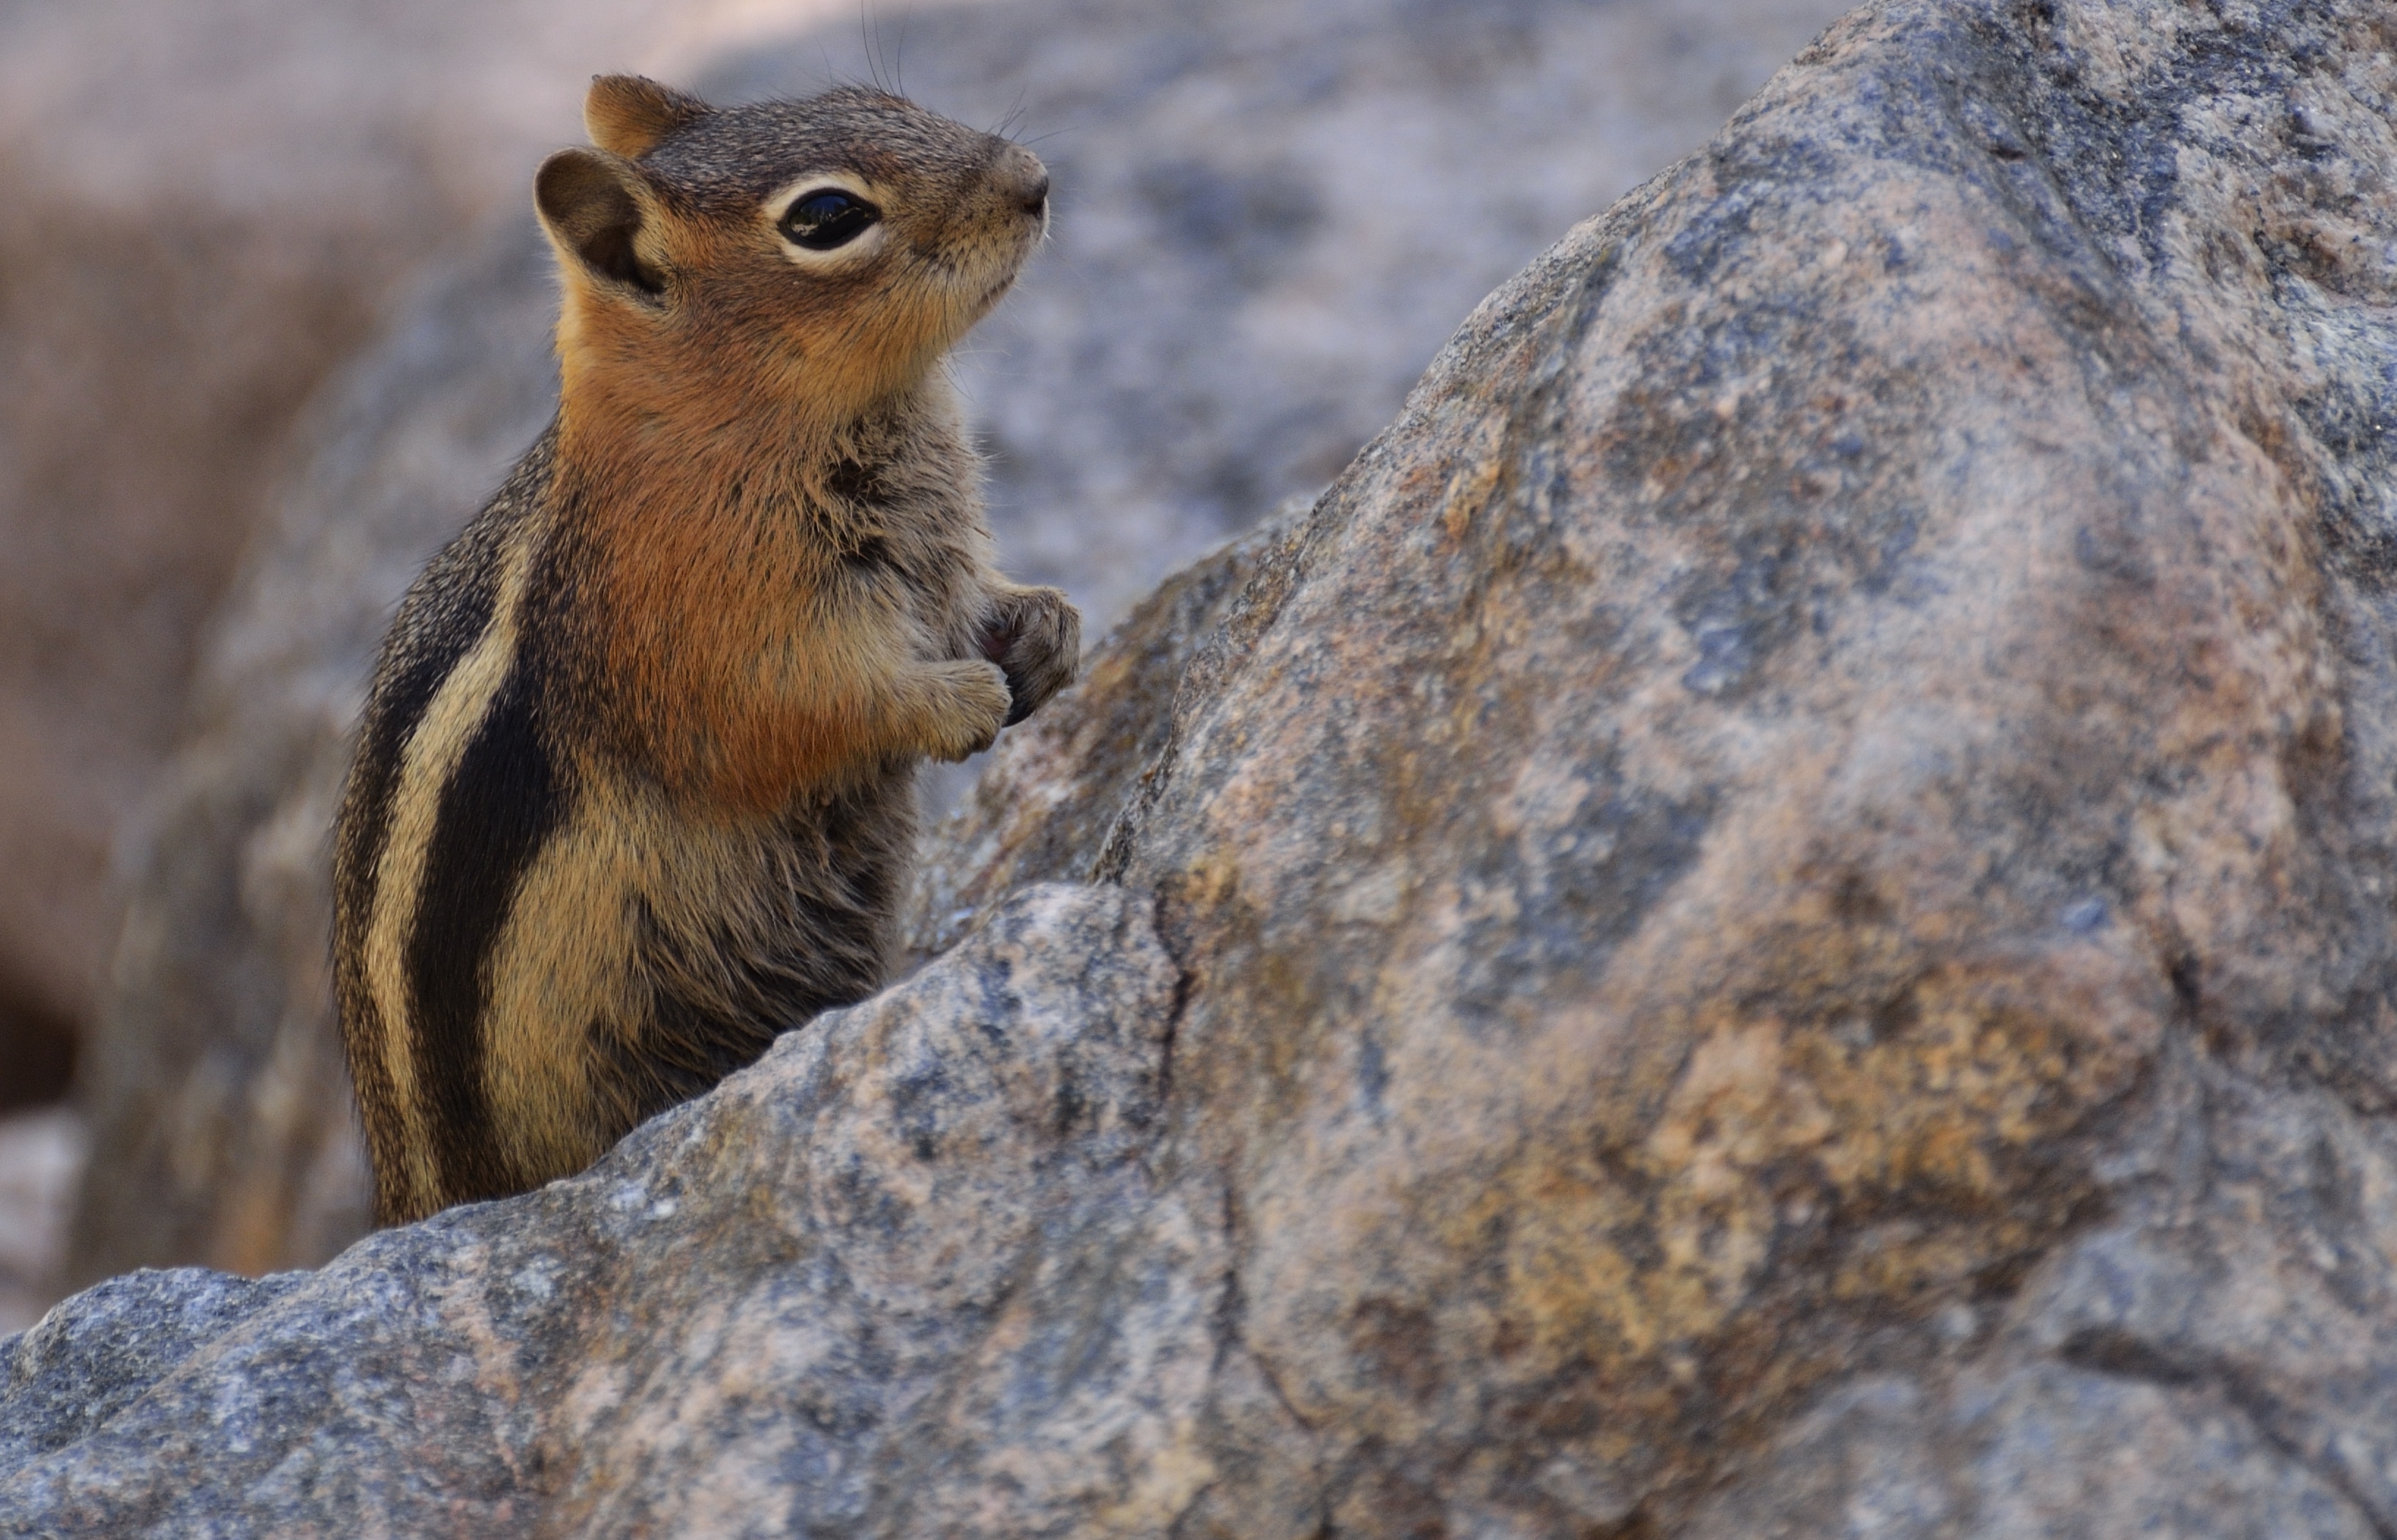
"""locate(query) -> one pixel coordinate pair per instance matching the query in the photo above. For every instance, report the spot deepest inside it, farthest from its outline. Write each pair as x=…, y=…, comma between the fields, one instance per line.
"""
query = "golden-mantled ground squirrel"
x=633, y=791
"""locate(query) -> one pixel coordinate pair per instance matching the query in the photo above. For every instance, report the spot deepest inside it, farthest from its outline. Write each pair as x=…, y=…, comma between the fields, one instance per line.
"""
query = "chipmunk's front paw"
x=1036, y=638
x=974, y=707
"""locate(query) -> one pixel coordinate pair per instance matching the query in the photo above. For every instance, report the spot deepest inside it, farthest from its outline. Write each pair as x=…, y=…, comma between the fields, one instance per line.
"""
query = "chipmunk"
x=634, y=788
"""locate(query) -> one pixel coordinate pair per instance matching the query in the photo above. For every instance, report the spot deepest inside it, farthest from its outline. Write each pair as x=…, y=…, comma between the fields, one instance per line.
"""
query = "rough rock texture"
x=1268, y=218
x=201, y=208
x=793, y=1307
x=1041, y=808
x=1773, y=920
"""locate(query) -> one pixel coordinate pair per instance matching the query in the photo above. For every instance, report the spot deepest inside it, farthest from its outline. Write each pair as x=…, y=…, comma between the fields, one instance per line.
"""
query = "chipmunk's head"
x=824, y=252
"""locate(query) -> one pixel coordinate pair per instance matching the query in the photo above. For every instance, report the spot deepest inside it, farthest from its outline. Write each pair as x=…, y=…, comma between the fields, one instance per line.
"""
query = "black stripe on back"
x=443, y=616
x=416, y=660
x=503, y=803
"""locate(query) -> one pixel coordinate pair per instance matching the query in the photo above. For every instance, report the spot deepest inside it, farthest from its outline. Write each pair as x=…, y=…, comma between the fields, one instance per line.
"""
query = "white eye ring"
x=868, y=239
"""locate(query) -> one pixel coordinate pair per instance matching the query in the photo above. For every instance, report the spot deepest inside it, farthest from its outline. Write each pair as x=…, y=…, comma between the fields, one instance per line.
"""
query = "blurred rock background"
x=273, y=321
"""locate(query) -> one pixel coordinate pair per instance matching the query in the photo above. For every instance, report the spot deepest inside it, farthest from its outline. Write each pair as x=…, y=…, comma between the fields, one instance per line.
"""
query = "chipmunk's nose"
x=1022, y=179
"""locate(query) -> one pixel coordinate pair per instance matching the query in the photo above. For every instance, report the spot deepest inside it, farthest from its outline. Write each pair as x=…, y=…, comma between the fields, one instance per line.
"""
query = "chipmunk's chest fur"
x=595, y=852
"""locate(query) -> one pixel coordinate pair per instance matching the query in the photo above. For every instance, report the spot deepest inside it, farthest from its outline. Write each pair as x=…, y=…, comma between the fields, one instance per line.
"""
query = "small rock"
x=41, y=1154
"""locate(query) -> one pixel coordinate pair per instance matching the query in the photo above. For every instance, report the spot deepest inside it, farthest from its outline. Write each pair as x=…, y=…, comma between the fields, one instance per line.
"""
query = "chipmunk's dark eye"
x=823, y=220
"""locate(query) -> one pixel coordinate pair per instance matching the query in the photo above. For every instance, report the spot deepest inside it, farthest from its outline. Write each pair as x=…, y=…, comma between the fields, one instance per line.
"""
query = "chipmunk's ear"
x=594, y=205
x=627, y=113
